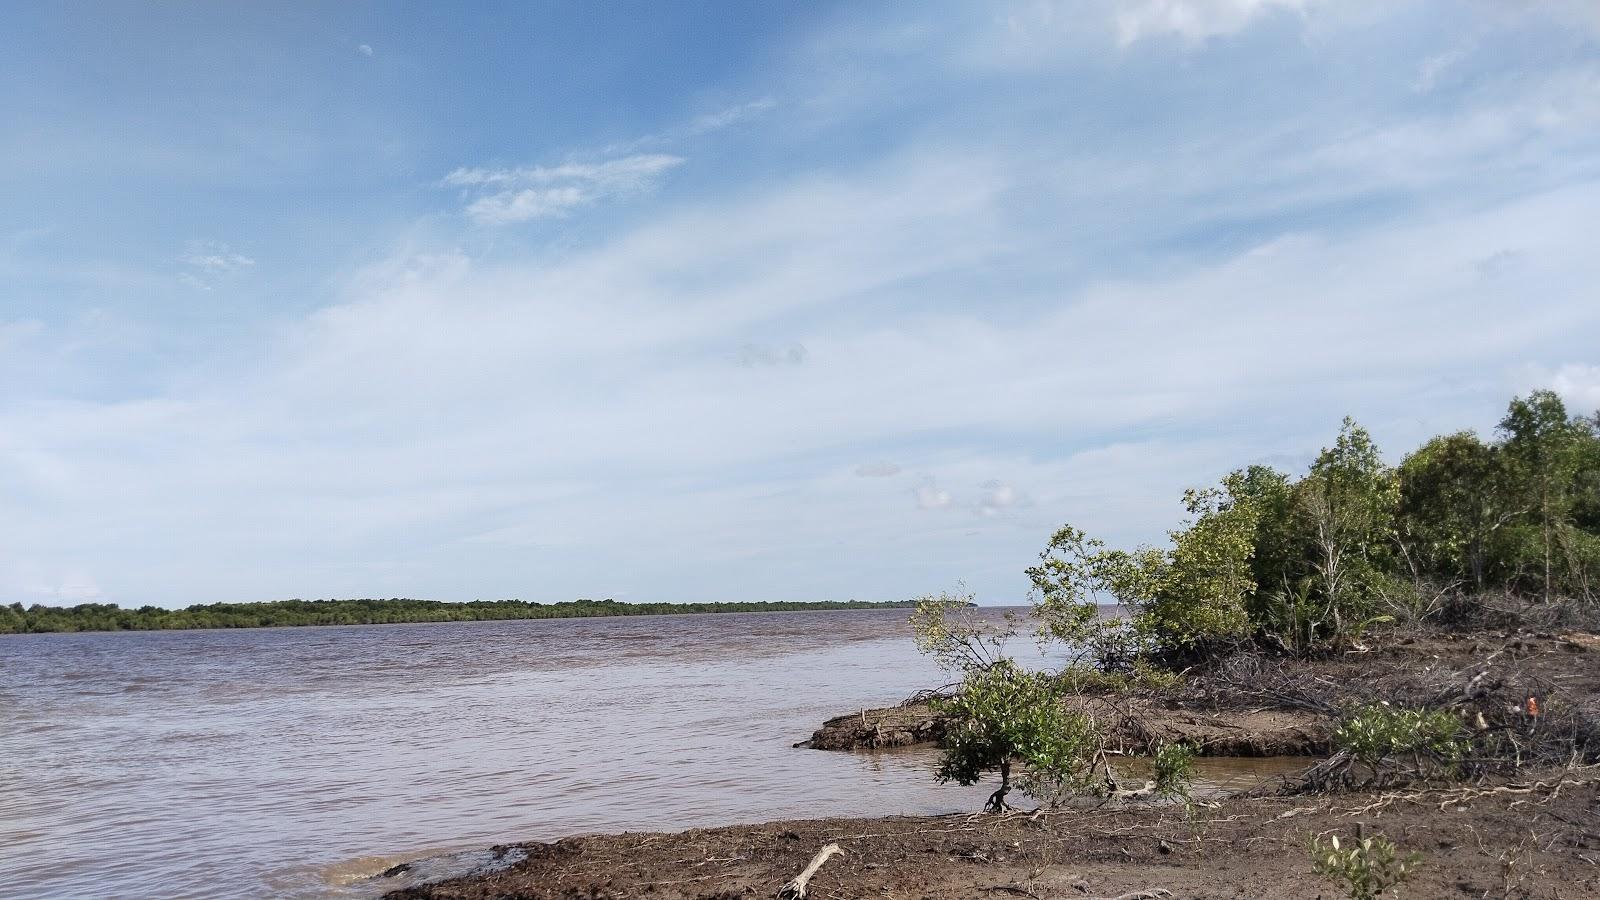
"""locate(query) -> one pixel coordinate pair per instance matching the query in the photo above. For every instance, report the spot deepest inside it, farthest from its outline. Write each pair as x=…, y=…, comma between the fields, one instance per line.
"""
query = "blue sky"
x=731, y=301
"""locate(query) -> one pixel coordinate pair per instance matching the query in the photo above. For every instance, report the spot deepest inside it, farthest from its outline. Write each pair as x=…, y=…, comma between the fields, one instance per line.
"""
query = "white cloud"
x=214, y=257
x=1432, y=69
x=930, y=496
x=1194, y=20
x=364, y=49
x=209, y=262
x=1030, y=31
x=530, y=203
x=627, y=171
x=999, y=497
x=697, y=127
x=510, y=195
x=1579, y=385
x=728, y=116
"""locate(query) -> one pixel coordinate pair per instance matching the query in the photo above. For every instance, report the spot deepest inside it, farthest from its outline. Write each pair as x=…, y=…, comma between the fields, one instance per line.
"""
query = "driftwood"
x=796, y=889
x=1150, y=894
x=1139, y=793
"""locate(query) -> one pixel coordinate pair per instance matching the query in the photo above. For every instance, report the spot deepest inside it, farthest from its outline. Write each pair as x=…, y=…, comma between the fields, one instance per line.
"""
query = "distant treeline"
x=15, y=619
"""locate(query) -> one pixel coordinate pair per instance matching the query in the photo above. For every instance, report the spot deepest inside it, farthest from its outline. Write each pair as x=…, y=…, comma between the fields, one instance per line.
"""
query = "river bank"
x=1264, y=706
x=1530, y=838
x=1533, y=833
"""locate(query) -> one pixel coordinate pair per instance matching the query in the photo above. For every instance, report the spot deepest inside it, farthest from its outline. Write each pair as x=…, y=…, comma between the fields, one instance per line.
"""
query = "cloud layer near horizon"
x=665, y=369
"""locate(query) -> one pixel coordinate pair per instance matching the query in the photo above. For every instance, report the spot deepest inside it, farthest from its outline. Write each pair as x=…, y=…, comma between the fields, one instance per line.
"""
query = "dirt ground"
x=1528, y=839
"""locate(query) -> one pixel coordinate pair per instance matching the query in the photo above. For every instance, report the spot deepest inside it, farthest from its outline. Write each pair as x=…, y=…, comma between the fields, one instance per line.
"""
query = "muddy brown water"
x=298, y=762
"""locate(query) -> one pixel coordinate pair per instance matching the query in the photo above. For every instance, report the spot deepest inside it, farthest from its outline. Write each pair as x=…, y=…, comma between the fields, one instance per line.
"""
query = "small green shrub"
x=1142, y=677
x=1378, y=734
x=948, y=628
x=1174, y=770
x=1004, y=715
x=1367, y=869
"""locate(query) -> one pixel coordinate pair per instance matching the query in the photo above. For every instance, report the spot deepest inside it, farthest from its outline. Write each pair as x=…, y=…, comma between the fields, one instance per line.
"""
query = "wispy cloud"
x=219, y=259
x=1193, y=20
x=728, y=116
x=998, y=498
x=698, y=127
x=207, y=262
x=503, y=196
x=877, y=470
x=1435, y=67
x=1031, y=31
x=1579, y=385
x=753, y=356
x=930, y=496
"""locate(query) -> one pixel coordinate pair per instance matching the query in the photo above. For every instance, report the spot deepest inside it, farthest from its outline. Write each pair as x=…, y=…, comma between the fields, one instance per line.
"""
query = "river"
x=297, y=761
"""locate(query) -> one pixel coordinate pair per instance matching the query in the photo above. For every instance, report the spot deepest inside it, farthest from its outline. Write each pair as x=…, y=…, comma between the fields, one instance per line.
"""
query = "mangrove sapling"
x=1143, y=678
x=1174, y=779
x=1004, y=716
x=1174, y=770
x=947, y=628
x=1367, y=868
x=1385, y=738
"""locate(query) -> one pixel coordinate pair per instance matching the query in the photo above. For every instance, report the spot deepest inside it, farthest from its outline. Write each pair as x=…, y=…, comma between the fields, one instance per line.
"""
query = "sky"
x=730, y=301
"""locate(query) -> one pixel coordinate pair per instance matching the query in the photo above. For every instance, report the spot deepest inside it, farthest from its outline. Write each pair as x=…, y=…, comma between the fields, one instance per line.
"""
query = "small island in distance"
x=14, y=619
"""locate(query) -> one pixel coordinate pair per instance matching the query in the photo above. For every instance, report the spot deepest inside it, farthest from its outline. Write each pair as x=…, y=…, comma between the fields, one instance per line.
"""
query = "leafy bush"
x=1367, y=869
x=1003, y=715
x=947, y=628
x=1377, y=734
x=1142, y=677
x=1186, y=600
x=1174, y=769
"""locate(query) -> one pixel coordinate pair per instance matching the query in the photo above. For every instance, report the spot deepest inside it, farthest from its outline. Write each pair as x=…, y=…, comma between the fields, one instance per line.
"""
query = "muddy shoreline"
x=1531, y=834
x=1241, y=716
x=1142, y=723
x=1533, y=839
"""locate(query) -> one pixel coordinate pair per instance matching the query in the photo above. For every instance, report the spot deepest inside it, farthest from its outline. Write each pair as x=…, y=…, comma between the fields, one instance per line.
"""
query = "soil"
x=1528, y=840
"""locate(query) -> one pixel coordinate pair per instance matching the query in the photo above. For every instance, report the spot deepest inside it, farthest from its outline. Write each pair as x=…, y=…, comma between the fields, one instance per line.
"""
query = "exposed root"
x=1448, y=798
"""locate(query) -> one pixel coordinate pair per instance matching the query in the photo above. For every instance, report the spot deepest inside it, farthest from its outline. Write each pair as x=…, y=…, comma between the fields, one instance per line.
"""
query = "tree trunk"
x=997, y=800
